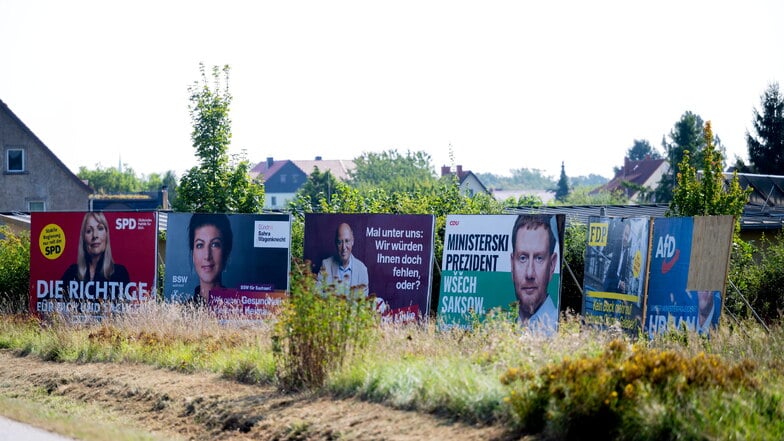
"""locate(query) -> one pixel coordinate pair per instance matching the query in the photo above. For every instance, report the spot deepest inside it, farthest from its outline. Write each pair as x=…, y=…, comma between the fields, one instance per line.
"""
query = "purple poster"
x=389, y=256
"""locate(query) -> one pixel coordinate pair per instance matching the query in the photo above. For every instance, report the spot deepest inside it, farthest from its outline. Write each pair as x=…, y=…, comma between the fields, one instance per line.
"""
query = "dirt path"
x=206, y=407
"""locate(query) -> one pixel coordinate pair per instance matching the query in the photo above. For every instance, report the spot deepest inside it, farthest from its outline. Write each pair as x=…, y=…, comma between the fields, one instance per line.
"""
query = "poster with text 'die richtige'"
x=88, y=265
x=235, y=264
x=509, y=264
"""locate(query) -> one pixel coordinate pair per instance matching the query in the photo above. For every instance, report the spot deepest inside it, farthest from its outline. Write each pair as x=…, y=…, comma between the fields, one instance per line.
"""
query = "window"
x=274, y=201
x=36, y=206
x=282, y=178
x=14, y=160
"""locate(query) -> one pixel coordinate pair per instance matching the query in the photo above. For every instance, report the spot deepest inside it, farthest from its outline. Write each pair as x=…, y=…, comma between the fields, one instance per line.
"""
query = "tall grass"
x=579, y=382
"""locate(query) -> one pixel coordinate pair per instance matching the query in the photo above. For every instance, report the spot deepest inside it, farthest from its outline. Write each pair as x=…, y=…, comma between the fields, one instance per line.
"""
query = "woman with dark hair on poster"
x=210, y=241
x=94, y=262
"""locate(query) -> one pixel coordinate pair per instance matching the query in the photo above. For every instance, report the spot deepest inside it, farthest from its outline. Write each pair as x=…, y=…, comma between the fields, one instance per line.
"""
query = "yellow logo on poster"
x=52, y=241
x=637, y=263
x=597, y=234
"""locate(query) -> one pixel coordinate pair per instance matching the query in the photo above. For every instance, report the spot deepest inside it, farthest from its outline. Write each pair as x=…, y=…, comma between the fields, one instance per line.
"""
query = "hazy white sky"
x=508, y=84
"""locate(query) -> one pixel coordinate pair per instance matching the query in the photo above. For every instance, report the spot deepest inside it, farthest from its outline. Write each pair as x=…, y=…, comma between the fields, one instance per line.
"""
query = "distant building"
x=469, y=183
x=282, y=179
x=33, y=178
x=643, y=175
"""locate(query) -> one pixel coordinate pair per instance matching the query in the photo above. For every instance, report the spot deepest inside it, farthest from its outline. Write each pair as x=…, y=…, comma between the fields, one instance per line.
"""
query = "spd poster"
x=507, y=262
x=389, y=256
x=88, y=265
x=236, y=264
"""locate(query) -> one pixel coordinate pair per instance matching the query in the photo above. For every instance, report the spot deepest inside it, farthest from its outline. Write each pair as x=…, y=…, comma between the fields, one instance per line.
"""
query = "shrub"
x=606, y=395
x=319, y=328
x=14, y=270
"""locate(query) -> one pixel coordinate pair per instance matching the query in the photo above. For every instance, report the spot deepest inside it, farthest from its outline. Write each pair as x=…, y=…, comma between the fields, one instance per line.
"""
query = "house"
x=469, y=184
x=642, y=174
x=33, y=178
x=283, y=178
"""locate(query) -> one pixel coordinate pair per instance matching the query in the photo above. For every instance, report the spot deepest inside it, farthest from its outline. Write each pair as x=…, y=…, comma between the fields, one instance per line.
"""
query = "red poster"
x=89, y=265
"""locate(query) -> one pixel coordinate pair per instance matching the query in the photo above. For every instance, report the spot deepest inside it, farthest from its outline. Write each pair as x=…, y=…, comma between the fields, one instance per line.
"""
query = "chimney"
x=626, y=165
x=444, y=170
x=269, y=161
x=318, y=158
x=459, y=171
x=165, y=198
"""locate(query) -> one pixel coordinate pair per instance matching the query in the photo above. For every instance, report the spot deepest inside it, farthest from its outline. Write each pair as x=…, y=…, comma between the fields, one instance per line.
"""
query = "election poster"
x=86, y=266
x=389, y=256
x=616, y=269
x=504, y=262
x=235, y=264
x=688, y=272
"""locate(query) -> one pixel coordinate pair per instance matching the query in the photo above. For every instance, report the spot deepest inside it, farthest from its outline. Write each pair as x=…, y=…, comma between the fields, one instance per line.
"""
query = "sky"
x=493, y=86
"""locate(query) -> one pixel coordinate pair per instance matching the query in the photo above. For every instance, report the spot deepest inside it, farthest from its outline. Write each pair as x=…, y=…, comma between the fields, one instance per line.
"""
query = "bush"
x=14, y=270
x=611, y=394
x=319, y=329
x=758, y=273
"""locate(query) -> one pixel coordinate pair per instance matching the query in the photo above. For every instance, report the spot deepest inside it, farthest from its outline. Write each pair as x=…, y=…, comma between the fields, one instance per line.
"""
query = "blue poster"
x=669, y=304
x=616, y=266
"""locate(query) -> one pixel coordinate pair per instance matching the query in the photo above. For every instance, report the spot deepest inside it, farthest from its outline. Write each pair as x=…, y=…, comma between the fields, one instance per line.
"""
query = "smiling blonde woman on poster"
x=94, y=262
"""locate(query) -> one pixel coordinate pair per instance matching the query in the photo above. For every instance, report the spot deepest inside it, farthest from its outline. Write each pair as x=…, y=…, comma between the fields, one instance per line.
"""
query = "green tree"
x=111, y=180
x=562, y=189
x=708, y=194
x=687, y=135
x=319, y=186
x=766, y=146
x=392, y=171
x=219, y=184
x=642, y=149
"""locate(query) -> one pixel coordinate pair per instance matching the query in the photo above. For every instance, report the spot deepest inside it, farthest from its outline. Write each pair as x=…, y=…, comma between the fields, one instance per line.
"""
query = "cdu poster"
x=508, y=262
x=88, y=265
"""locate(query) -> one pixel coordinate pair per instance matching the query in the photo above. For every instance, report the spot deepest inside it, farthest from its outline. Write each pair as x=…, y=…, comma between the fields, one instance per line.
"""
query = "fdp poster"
x=88, y=265
x=511, y=262
x=237, y=264
x=389, y=256
x=616, y=268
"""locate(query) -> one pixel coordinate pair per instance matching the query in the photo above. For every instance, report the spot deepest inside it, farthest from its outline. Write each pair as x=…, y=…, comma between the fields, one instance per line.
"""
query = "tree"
x=110, y=180
x=392, y=171
x=687, y=135
x=219, y=184
x=766, y=147
x=562, y=189
x=642, y=149
x=319, y=186
x=708, y=194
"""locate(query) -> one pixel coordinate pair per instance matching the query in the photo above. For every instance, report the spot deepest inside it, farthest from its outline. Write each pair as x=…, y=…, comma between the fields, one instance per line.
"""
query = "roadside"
x=200, y=406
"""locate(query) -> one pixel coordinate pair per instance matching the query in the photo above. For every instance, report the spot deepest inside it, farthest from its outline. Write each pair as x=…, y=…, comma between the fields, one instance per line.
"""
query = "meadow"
x=581, y=381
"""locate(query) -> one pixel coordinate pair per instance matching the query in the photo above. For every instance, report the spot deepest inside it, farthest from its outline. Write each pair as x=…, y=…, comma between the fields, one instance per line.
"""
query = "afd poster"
x=237, y=264
x=389, y=256
x=509, y=262
x=89, y=265
x=669, y=304
x=689, y=265
x=616, y=267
